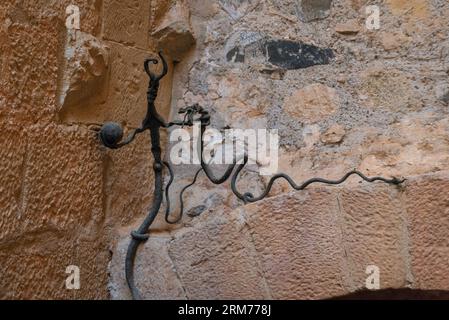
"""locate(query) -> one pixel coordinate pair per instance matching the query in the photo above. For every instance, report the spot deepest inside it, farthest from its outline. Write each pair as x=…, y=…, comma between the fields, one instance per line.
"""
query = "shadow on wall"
x=396, y=294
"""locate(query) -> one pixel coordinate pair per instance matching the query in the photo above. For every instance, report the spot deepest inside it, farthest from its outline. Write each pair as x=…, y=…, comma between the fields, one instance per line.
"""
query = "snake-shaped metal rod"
x=248, y=197
x=111, y=135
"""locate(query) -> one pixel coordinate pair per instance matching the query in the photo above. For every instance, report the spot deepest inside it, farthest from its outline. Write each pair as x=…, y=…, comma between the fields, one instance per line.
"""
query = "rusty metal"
x=111, y=135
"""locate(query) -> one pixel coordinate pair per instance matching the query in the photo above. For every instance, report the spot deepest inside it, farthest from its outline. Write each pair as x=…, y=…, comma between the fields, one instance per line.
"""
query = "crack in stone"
x=175, y=270
x=257, y=256
x=406, y=242
x=23, y=185
x=347, y=270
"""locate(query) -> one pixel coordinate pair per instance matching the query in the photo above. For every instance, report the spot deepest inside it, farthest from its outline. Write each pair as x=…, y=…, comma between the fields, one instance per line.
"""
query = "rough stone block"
x=299, y=243
x=129, y=171
x=374, y=234
x=155, y=274
x=126, y=99
x=312, y=103
x=127, y=22
x=216, y=259
x=309, y=10
x=85, y=69
x=174, y=33
x=427, y=204
x=312, y=244
x=35, y=268
x=62, y=181
x=350, y=27
x=30, y=46
x=29, y=70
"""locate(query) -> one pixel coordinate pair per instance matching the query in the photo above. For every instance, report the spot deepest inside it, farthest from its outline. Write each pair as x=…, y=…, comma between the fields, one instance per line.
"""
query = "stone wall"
x=315, y=244
x=63, y=195
x=375, y=100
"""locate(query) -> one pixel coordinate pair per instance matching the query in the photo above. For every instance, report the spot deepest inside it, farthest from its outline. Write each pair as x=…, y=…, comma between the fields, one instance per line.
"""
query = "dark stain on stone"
x=445, y=98
x=292, y=55
x=235, y=55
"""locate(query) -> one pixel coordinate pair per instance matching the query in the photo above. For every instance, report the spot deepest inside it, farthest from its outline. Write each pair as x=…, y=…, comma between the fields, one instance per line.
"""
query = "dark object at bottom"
x=396, y=294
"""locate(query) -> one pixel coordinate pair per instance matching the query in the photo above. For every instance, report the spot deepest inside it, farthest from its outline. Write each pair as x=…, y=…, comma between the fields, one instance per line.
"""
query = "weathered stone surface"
x=13, y=146
x=63, y=197
x=358, y=4
x=152, y=259
x=299, y=244
x=133, y=163
x=51, y=174
x=174, y=33
x=427, y=206
x=238, y=8
x=30, y=43
x=418, y=8
x=334, y=135
x=310, y=10
x=312, y=103
x=374, y=234
x=59, y=182
x=204, y=9
x=373, y=106
x=35, y=267
x=295, y=55
x=37, y=12
x=124, y=98
x=348, y=28
x=29, y=69
x=127, y=22
x=57, y=186
x=393, y=41
x=86, y=65
x=389, y=89
x=50, y=204
x=217, y=260
x=158, y=10
x=312, y=244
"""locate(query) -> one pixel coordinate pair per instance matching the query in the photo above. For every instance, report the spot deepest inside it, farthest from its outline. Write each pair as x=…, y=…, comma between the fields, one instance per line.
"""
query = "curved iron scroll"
x=111, y=135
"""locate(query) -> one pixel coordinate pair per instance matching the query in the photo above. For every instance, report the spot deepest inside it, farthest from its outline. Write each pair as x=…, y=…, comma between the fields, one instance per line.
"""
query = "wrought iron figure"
x=111, y=135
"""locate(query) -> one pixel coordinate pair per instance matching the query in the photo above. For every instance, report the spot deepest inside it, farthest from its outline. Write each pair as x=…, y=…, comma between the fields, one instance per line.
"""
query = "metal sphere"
x=110, y=134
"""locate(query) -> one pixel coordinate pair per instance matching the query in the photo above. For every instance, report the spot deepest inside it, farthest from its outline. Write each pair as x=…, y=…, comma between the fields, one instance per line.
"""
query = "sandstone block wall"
x=62, y=195
x=315, y=244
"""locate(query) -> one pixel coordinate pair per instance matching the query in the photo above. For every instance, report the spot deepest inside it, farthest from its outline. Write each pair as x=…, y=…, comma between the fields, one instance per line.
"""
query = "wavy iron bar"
x=111, y=135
